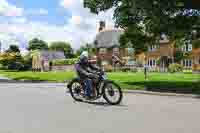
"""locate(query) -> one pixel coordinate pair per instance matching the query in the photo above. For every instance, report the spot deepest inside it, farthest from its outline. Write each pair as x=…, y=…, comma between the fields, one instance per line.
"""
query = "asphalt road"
x=45, y=108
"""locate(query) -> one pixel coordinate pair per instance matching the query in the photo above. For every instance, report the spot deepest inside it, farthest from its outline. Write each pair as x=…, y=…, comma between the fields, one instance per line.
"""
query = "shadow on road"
x=105, y=104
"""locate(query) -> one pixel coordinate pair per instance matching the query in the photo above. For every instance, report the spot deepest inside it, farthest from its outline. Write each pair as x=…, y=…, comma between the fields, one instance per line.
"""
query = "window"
x=102, y=51
x=104, y=63
x=130, y=50
x=151, y=63
x=153, y=48
x=187, y=47
x=187, y=63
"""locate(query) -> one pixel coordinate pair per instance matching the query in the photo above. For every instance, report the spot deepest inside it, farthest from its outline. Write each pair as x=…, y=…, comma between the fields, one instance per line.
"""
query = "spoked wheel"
x=76, y=90
x=112, y=93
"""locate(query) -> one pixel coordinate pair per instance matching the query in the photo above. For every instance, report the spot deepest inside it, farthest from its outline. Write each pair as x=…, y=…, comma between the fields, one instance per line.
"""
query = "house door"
x=163, y=64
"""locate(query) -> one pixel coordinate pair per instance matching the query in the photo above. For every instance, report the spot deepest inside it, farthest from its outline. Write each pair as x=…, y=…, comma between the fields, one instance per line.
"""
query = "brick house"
x=107, y=45
x=196, y=59
x=158, y=57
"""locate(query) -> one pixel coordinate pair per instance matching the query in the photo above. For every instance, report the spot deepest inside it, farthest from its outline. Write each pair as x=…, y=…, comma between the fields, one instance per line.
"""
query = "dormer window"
x=102, y=51
x=116, y=50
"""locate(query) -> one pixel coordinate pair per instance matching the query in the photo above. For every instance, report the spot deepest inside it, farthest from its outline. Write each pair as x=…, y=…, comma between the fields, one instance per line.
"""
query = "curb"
x=158, y=94
x=161, y=93
x=29, y=81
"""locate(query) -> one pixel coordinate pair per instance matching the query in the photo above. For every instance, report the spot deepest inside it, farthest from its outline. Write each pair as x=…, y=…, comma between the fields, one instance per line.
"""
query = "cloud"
x=21, y=33
x=80, y=29
x=76, y=20
x=21, y=20
x=7, y=9
x=83, y=22
x=66, y=3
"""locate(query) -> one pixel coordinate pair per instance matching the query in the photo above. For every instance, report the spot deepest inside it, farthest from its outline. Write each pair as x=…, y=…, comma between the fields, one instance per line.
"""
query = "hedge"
x=64, y=62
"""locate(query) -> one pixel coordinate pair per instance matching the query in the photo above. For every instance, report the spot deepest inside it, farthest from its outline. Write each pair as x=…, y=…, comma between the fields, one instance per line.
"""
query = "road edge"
x=124, y=91
x=161, y=93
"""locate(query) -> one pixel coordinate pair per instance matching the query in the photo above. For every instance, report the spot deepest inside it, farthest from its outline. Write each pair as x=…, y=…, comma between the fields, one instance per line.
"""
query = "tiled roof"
x=52, y=55
x=108, y=38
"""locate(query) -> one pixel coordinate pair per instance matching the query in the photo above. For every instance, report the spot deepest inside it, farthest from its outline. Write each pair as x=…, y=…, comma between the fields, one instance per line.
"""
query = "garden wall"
x=63, y=68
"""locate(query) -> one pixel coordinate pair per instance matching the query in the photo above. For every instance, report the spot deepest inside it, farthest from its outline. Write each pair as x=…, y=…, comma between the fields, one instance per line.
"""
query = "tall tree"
x=148, y=19
x=13, y=48
x=62, y=46
x=37, y=44
x=88, y=47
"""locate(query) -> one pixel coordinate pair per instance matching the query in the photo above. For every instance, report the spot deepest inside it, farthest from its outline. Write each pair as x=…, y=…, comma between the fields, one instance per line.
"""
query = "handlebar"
x=100, y=73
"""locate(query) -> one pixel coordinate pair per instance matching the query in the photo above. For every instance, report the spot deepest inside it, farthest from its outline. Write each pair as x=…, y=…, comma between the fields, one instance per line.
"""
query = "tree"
x=148, y=19
x=136, y=40
x=13, y=48
x=88, y=47
x=191, y=4
x=80, y=50
x=11, y=60
x=36, y=44
x=64, y=47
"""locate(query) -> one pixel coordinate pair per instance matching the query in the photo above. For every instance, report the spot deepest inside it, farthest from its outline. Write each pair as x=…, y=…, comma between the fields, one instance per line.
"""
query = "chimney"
x=102, y=25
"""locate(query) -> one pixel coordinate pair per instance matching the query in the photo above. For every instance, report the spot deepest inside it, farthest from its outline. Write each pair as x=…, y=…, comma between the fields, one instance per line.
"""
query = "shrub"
x=134, y=70
x=12, y=61
x=179, y=55
x=64, y=62
x=108, y=68
x=175, y=68
x=7, y=58
x=15, y=66
x=27, y=63
x=158, y=61
x=2, y=67
x=125, y=69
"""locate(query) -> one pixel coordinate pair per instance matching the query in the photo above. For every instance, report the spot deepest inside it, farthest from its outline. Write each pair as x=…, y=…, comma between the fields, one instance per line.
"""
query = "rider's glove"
x=90, y=75
x=96, y=77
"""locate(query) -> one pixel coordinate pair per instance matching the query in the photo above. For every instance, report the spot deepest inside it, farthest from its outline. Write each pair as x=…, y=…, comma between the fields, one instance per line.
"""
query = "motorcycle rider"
x=86, y=72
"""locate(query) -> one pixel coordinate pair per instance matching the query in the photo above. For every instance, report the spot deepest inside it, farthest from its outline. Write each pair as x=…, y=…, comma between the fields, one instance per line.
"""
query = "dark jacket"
x=86, y=70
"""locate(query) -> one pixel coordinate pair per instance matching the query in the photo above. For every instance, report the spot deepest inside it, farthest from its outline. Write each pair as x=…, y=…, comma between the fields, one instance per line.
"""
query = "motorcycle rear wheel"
x=76, y=90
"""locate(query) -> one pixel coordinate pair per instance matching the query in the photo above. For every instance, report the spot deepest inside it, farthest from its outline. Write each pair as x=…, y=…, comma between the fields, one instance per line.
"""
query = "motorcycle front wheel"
x=112, y=93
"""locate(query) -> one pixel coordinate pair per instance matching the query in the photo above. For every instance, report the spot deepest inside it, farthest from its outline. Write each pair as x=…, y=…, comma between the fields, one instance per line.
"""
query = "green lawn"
x=49, y=76
x=186, y=83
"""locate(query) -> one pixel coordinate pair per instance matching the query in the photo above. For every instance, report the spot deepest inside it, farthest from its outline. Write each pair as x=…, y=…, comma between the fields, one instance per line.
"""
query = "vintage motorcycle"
x=103, y=87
